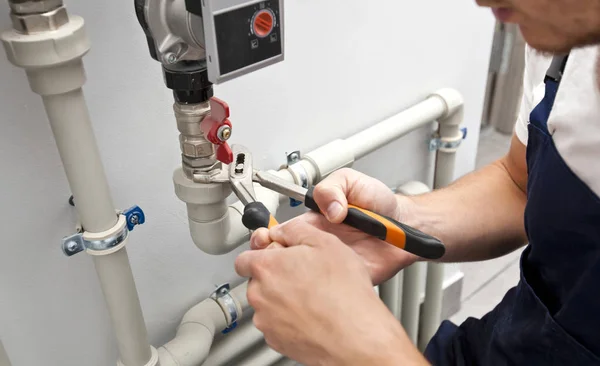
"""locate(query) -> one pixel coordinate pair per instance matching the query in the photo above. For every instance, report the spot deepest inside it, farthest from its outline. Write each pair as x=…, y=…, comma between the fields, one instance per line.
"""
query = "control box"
x=241, y=36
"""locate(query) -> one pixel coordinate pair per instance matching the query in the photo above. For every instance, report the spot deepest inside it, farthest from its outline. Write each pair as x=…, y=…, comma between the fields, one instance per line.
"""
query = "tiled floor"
x=486, y=283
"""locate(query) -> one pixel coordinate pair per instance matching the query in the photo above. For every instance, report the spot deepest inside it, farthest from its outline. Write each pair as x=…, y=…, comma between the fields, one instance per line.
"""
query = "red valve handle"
x=210, y=126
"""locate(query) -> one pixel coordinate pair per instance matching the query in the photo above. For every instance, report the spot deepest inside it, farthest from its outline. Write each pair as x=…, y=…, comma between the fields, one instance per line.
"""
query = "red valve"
x=217, y=129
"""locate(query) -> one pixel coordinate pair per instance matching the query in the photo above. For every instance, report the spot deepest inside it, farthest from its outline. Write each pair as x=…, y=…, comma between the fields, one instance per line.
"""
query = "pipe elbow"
x=226, y=233
x=454, y=105
x=220, y=236
x=195, y=336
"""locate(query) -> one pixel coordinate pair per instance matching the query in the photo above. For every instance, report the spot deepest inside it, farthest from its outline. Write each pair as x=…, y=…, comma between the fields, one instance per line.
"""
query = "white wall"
x=349, y=64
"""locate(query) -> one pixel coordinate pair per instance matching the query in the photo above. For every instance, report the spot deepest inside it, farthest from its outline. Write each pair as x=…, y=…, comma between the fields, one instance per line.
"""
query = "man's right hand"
x=333, y=195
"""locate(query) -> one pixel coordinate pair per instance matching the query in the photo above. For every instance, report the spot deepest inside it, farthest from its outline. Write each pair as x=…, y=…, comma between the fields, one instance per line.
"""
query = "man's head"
x=551, y=25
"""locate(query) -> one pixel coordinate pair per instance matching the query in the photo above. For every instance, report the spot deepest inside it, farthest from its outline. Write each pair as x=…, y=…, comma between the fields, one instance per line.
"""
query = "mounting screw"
x=171, y=58
x=73, y=244
x=135, y=216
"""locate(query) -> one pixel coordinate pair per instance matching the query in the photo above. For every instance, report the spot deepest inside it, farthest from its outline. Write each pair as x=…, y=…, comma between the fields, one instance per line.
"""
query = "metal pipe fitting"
x=198, y=154
x=33, y=6
x=33, y=23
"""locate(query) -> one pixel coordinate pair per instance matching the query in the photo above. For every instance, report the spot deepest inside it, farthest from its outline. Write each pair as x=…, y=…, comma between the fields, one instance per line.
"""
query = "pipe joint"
x=329, y=158
x=154, y=360
x=453, y=100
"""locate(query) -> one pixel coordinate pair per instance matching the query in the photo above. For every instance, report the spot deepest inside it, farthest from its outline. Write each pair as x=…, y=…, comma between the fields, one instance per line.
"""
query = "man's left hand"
x=314, y=301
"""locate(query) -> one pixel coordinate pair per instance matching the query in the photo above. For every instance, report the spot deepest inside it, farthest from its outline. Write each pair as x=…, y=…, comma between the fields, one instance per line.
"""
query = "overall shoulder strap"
x=557, y=68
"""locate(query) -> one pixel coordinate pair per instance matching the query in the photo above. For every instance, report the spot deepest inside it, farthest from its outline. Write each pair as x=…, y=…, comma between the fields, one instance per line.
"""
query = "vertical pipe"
x=54, y=67
x=411, y=300
x=70, y=122
x=412, y=281
x=389, y=294
x=4, y=361
x=120, y=294
x=449, y=131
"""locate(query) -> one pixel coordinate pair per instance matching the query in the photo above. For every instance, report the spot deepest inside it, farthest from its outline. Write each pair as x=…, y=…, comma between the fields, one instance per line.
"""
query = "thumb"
x=331, y=199
x=331, y=195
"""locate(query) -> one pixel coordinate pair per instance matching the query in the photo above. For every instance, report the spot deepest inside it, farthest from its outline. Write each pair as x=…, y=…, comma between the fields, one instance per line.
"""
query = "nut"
x=196, y=147
x=34, y=6
x=200, y=167
x=37, y=23
x=198, y=163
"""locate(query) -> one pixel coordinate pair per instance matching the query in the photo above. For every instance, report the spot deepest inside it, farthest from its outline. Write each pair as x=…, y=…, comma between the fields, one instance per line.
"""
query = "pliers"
x=241, y=175
x=382, y=227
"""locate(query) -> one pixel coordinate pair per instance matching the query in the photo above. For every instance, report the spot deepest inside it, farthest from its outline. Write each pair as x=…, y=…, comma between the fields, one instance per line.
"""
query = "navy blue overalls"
x=552, y=317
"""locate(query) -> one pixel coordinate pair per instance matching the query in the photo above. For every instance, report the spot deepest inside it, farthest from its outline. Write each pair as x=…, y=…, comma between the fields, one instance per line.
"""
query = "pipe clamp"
x=227, y=303
x=298, y=172
x=446, y=144
x=97, y=242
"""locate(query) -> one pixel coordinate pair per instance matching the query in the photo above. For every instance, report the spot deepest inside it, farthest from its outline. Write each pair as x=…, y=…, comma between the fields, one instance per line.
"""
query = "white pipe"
x=195, y=335
x=411, y=300
x=390, y=294
x=53, y=62
x=391, y=129
x=4, y=361
x=122, y=301
x=413, y=277
x=70, y=122
x=286, y=362
x=233, y=345
x=264, y=356
x=449, y=131
x=217, y=230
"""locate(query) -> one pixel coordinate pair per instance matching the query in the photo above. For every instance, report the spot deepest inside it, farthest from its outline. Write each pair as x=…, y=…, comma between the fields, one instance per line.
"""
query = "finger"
x=247, y=262
x=275, y=246
x=330, y=195
x=350, y=186
x=299, y=232
x=260, y=239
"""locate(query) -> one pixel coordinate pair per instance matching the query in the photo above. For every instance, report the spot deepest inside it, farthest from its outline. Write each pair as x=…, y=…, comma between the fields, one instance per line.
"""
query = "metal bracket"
x=77, y=243
x=222, y=296
x=437, y=143
x=292, y=159
x=82, y=240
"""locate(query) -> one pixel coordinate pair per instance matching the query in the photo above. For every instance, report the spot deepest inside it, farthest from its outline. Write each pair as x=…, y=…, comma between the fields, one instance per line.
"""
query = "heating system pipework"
x=199, y=44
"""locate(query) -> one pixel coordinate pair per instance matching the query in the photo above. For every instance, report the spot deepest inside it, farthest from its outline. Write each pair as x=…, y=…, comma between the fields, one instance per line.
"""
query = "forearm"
x=478, y=217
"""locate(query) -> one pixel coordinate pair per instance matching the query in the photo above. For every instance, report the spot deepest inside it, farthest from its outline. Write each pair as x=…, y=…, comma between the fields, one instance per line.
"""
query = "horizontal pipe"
x=194, y=336
x=233, y=345
x=223, y=232
x=381, y=134
x=197, y=330
x=264, y=356
x=286, y=362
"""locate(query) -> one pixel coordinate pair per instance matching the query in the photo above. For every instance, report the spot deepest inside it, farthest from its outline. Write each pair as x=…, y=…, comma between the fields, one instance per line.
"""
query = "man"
x=312, y=287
